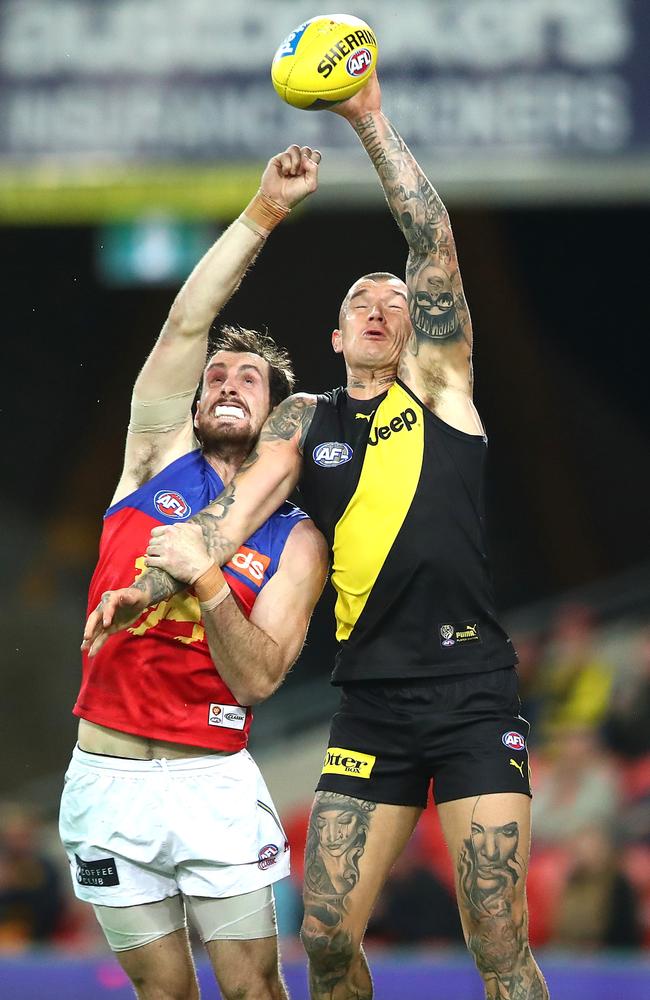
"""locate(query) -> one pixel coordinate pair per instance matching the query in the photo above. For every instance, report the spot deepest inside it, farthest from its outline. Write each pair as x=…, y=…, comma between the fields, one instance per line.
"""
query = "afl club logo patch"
x=267, y=855
x=359, y=62
x=331, y=453
x=169, y=503
x=514, y=741
x=447, y=635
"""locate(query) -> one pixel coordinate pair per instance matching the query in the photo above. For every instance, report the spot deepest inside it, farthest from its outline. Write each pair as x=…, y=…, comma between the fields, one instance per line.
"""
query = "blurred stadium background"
x=131, y=133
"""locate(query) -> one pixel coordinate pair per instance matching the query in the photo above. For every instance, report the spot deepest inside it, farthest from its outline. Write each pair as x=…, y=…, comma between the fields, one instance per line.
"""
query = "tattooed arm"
x=263, y=482
x=436, y=361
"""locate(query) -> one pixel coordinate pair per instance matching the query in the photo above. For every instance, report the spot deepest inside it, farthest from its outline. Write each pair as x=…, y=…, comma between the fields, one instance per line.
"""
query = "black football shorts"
x=390, y=739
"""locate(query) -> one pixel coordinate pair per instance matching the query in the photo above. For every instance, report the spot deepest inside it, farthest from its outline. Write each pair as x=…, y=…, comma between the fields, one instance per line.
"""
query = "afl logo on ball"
x=359, y=62
x=171, y=504
x=267, y=856
x=514, y=741
x=331, y=453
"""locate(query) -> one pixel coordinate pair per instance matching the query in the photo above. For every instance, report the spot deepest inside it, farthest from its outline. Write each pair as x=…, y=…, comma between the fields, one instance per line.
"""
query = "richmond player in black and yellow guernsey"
x=392, y=469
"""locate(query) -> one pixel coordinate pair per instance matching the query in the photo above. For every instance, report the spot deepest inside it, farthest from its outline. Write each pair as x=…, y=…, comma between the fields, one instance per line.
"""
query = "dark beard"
x=225, y=441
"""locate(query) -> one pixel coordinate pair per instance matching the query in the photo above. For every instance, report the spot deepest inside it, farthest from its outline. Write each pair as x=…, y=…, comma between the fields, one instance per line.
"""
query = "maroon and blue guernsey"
x=157, y=678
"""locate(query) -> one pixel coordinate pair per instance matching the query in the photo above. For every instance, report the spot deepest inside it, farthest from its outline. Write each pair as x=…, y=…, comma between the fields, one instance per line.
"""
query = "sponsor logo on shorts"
x=250, y=564
x=513, y=741
x=101, y=872
x=329, y=454
x=358, y=62
x=519, y=765
x=459, y=633
x=338, y=760
x=227, y=716
x=169, y=503
x=267, y=855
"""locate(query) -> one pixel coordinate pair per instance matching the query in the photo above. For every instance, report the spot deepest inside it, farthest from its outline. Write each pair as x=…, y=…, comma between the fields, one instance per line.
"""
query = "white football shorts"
x=137, y=831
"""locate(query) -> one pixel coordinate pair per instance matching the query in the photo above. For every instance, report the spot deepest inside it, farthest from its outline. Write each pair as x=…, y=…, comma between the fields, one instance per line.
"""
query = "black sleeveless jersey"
x=399, y=495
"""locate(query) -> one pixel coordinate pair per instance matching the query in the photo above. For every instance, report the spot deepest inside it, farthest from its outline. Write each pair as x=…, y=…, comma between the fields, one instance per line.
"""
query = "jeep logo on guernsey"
x=355, y=764
x=169, y=503
x=358, y=62
x=250, y=564
x=331, y=453
x=513, y=740
x=408, y=418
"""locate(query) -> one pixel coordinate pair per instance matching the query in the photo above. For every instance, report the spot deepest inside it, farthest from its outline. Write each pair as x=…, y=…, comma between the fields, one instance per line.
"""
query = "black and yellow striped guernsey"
x=399, y=495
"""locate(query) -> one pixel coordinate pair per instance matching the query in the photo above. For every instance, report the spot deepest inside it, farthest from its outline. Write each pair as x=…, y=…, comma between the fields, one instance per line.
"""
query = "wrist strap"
x=210, y=584
x=262, y=215
x=215, y=601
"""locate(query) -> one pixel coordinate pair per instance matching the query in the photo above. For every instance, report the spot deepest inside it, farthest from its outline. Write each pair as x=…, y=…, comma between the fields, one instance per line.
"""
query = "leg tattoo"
x=338, y=829
x=491, y=879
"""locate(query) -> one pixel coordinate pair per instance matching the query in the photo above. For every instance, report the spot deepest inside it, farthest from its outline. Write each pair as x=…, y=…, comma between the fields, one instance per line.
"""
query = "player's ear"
x=337, y=341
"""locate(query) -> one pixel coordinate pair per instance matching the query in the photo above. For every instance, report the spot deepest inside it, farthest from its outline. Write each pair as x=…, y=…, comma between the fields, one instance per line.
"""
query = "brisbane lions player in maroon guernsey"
x=164, y=814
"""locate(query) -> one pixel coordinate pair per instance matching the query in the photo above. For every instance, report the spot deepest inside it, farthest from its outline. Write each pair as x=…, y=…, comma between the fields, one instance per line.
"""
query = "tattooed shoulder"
x=291, y=416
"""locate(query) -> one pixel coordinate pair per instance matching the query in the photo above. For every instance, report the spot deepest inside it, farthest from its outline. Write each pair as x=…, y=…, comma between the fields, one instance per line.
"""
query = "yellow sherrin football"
x=324, y=60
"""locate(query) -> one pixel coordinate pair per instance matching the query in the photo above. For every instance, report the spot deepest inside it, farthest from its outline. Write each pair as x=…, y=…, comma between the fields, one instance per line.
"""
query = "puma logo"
x=520, y=767
x=364, y=416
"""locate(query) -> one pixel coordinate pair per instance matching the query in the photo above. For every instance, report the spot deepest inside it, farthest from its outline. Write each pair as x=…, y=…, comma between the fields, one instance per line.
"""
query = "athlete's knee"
x=330, y=948
x=254, y=984
x=179, y=987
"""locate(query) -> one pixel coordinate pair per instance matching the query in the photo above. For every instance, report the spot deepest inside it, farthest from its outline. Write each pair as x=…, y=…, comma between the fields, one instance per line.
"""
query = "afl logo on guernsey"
x=514, y=741
x=169, y=503
x=331, y=453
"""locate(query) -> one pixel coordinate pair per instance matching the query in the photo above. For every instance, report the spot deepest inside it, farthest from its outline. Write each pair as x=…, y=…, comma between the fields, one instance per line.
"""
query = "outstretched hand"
x=291, y=176
x=365, y=101
x=116, y=611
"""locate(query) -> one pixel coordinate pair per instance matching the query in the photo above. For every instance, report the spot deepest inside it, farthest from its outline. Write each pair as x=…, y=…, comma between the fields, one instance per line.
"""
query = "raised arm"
x=436, y=362
x=161, y=428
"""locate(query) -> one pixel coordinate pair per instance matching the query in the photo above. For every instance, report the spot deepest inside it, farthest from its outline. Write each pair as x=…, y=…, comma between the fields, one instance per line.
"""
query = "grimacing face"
x=235, y=399
x=374, y=323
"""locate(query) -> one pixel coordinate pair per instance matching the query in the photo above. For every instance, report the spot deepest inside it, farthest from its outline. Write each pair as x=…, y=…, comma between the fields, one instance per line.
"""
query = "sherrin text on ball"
x=324, y=61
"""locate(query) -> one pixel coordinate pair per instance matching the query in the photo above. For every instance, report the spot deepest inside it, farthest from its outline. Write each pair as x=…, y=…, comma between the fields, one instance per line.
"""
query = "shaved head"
x=378, y=277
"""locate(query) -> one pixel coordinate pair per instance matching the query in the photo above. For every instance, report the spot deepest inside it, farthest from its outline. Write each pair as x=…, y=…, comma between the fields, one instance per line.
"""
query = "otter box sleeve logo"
x=458, y=633
x=100, y=873
x=338, y=760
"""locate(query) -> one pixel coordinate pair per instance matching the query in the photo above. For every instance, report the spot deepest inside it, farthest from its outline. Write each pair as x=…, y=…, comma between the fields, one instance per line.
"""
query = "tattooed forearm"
x=491, y=874
x=293, y=414
x=437, y=306
x=416, y=205
x=158, y=585
x=218, y=545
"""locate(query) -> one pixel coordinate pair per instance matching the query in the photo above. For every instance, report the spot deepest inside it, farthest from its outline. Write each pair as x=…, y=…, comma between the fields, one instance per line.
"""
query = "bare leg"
x=351, y=847
x=489, y=840
x=163, y=969
x=248, y=970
